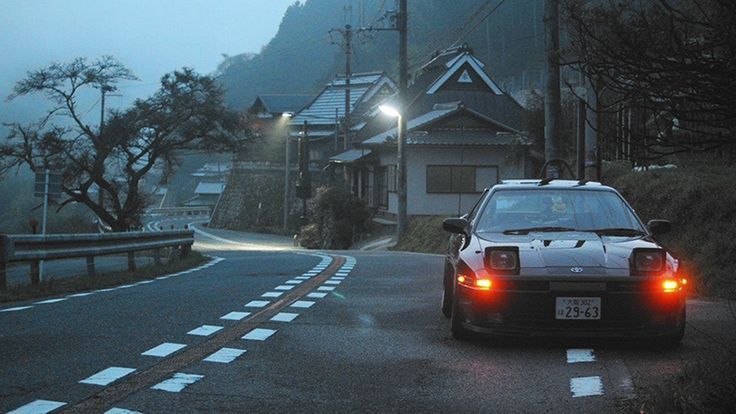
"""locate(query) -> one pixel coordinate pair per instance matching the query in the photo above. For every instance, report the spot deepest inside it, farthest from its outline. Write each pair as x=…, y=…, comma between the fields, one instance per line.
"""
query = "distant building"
x=325, y=114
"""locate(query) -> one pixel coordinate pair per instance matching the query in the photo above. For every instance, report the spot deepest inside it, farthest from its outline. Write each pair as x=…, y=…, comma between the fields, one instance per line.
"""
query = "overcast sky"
x=151, y=37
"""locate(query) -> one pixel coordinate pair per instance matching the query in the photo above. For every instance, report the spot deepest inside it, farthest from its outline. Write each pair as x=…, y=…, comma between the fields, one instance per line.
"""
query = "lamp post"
x=284, y=116
x=400, y=171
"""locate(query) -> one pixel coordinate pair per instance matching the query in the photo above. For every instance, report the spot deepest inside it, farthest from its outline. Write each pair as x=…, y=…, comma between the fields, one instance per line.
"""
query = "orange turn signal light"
x=461, y=279
x=670, y=285
x=484, y=284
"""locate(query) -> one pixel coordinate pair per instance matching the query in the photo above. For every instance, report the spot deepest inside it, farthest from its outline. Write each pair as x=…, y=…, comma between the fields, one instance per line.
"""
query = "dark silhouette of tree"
x=103, y=167
x=672, y=62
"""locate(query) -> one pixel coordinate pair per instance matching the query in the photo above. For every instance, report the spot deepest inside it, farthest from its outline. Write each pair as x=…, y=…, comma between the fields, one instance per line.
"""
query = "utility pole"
x=552, y=141
x=402, y=26
x=347, y=46
x=286, y=182
x=591, y=132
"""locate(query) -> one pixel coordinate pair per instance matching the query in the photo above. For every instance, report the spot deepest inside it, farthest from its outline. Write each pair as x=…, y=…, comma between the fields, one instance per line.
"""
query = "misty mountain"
x=302, y=55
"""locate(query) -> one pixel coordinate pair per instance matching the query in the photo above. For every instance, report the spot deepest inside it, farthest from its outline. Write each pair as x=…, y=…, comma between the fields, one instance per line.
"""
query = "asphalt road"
x=375, y=343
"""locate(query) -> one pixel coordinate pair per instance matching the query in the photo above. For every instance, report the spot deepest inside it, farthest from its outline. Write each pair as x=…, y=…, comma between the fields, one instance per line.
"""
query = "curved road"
x=264, y=327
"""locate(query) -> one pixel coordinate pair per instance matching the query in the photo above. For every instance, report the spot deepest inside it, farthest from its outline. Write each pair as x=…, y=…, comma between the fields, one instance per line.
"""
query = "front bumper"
x=527, y=308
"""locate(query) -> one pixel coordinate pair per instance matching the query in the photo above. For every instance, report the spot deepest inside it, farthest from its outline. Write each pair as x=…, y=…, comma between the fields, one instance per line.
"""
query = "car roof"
x=548, y=184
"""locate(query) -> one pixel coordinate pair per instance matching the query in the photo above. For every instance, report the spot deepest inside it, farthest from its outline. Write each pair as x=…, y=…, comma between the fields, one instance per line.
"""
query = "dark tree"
x=186, y=113
x=672, y=63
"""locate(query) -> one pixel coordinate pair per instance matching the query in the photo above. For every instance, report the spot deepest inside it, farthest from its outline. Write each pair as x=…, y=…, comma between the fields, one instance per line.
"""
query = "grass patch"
x=701, y=204
x=100, y=281
x=700, y=387
x=425, y=235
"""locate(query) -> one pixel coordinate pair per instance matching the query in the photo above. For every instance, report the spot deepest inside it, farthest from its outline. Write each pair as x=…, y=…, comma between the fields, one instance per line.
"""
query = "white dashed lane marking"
x=80, y=295
x=284, y=287
x=15, y=309
x=235, y=316
x=107, y=376
x=178, y=382
x=302, y=304
x=257, y=304
x=205, y=330
x=225, y=355
x=272, y=294
x=284, y=317
x=302, y=277
x=317, y=295
x=47, y=301
x=293, y=282
x=259, y=334
x=326, y=288
x=333, y=282
x=586, y=386
x=38, y=407
x=580, y=355
x=163, y=350
x=116, y=410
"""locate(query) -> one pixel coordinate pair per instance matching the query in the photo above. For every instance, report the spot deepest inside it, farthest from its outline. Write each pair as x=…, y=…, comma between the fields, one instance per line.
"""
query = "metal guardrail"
x=180, y=211
x=34, y=248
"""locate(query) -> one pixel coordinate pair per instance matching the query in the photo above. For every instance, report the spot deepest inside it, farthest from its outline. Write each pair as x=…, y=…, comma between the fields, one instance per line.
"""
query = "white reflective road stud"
x=586, y=386
x=326, y=288
x=15, y=309
x=580, y=355
x=234, y=316
x=317, y=295
x=38, y=407
x=302, y=304
x=205, y=330
x=284, y=317
x=272, y=294
x=178, y=382
x=257, y=304
x=165, y=349
x=283, y=287
x=225, y=355
x=107, y=376
x=259, y=334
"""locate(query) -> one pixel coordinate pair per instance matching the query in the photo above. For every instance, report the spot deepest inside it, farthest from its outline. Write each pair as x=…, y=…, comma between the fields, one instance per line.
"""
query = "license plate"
x=578, y=308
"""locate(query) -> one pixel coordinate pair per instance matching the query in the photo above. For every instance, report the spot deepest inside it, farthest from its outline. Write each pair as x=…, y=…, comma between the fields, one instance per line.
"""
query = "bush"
x=337, y=218
x=424, y=235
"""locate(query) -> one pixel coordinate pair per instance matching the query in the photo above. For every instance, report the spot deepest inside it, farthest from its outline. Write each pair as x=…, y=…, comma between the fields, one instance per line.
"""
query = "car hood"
x=560, y=252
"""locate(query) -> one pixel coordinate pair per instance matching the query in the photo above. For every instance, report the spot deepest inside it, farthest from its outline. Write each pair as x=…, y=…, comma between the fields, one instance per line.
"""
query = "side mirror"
x=456, y=225
x=659, y=227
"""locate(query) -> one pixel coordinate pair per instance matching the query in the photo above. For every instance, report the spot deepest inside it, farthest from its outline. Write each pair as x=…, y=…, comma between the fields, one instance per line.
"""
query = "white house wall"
x=419, y=202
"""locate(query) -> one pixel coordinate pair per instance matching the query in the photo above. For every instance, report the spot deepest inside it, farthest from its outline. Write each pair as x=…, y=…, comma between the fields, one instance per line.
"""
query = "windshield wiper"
x=617, y=231
x=539, y=229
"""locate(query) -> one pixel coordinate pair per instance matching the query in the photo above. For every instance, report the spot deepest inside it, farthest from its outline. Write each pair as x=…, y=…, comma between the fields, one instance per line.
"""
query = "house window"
x=460, y=178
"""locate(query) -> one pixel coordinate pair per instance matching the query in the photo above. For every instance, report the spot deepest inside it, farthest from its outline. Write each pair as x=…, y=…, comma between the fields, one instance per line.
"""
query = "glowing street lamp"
x=390, y=111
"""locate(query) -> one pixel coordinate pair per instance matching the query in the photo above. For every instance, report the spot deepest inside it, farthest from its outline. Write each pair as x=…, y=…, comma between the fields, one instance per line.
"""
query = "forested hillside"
x=301, y=56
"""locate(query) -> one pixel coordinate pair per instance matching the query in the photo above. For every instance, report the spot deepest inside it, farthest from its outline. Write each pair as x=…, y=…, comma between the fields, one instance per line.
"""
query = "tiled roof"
x=209, y=188
x=277, y=104
x=350, y=155
x=331, y=101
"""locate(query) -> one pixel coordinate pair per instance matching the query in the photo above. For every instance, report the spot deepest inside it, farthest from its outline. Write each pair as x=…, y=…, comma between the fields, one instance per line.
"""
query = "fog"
x=150, y=37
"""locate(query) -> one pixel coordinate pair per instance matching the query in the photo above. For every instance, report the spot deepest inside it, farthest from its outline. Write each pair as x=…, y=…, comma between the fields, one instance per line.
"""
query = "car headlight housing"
x=502, y=260
x=648, y=262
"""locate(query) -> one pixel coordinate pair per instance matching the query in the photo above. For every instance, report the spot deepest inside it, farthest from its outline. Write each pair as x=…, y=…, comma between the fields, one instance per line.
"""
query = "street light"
x=400, y=171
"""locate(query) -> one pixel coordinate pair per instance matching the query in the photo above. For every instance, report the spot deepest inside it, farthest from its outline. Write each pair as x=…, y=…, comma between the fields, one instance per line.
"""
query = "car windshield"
x=522, y=211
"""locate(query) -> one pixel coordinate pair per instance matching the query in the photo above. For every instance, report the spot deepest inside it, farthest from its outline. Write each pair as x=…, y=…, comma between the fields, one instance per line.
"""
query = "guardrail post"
x=91, y=266
x=157, y=257
x=35, y=273
x=6, y=252
x=131, y=261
